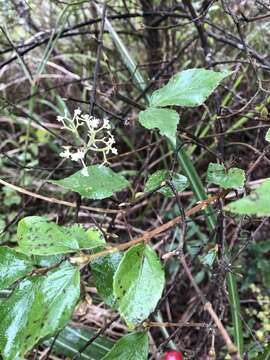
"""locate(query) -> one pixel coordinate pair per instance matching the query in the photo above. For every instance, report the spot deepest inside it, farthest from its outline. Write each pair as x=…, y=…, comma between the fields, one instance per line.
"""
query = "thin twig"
x=148, y=235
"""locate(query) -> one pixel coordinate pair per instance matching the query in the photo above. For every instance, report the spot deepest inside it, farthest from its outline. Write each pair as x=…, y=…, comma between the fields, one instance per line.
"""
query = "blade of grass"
x=235, y=311
x=60, y=22
x=125, y=55
x=21, y=61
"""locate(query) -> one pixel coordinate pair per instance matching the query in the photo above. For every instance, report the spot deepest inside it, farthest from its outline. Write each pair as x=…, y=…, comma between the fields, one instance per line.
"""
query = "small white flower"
x=85, y=117
x=65, y=154
x=114, y=150
x=106, y=124
x=111, y=140
x=98, y=137
x=78, y=155
x=60, y=118
x=77, y=112
x=94, y=122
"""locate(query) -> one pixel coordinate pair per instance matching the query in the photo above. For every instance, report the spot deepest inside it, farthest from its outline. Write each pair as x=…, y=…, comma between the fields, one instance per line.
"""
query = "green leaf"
x=103, y=269
x=236, y=313
x=158, y=179
x=232, y=179
x=38, y=236
x=138, y=283
x=267, y=136
x=72, y=339
x=129, y=347
x=164, y=119
x=38, y=307
x=257, y=203
x=188, y=88
x=132, y=66
x=101, y=183
x=13, y=266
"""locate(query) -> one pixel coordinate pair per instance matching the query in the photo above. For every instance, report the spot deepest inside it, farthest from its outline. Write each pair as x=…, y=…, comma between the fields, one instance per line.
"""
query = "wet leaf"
x=132, y=346
x=164, y=119
x=158, y=178
x=188, y=88
x=103, y=269
x=38, y=236
x=234, y=178
x=257, y=203
x=138, y=283
x=38, y=307
x=101, y=183
x=13, y=266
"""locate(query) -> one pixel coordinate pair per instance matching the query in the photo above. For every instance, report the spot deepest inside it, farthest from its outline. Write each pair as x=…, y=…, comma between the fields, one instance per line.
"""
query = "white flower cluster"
x=99, y=137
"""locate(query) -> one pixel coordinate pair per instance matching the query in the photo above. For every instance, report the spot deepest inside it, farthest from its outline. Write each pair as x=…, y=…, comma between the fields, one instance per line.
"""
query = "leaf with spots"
x=101, y=182
x=38, y=236
x=39, y=306
x=188, y=88
x=234, y=178
x=159, y=178
x=257, y=203
x=103, y=269
x=129, y=347
x=13, y=266
x=166, y=120
x=138, y=283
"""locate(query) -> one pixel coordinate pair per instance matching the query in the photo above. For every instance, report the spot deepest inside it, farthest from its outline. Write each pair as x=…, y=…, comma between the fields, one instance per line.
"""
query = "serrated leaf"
x=129, y=347
x=13, y=266
x=72, y=339
x=101, y=183
x=103, y=269
x=234, y=178
x=267, y=136
x=38, y=236
x=257, y=203
x=188, y=88
x=38, y=307
x=165, y=120
x=158, y=178
x=138, y=283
